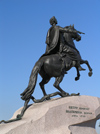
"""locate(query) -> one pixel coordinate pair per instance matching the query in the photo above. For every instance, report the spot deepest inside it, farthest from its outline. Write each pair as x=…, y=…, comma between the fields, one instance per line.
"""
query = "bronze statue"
x=60, y=56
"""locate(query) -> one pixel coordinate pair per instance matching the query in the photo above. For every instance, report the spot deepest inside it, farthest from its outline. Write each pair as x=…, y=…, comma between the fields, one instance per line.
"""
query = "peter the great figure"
x=60, y=56
x=56, y=41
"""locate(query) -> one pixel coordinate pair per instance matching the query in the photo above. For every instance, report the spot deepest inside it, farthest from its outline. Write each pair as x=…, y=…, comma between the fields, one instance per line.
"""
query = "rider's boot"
x=81, y=69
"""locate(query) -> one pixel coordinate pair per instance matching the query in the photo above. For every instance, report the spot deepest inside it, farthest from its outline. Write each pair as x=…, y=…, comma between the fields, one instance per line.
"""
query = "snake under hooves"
x=19, y=116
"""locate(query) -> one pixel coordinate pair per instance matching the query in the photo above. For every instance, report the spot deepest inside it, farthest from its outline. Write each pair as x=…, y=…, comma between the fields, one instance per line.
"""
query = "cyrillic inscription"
x=78, y=111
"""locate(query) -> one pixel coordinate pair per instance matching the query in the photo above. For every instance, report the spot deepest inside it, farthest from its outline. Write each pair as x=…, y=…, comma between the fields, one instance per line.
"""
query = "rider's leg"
x=81, y=68
x=62, y=59
x=63, y=69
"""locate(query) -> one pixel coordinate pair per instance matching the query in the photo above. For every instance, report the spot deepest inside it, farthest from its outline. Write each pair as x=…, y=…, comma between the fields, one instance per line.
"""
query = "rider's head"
x=53, y=20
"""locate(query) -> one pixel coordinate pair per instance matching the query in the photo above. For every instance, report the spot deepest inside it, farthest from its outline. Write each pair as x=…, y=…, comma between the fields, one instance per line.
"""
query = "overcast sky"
x=23, y=28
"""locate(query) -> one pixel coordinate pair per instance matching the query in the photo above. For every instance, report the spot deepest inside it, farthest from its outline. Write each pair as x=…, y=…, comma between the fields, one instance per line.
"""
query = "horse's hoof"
x=48, y=98
x=90, y=74
x=65, y=94
x=19, y=116
x=76, y=78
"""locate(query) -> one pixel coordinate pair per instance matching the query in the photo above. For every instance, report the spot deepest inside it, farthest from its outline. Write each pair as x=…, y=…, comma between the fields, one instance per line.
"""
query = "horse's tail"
x=32, y=81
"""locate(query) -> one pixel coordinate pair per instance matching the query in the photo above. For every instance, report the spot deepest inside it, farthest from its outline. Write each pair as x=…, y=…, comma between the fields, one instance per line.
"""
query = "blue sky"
x=23, y=28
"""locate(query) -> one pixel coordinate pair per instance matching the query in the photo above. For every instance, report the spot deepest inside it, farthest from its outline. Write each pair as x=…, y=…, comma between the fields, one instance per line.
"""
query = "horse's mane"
x=67, y=26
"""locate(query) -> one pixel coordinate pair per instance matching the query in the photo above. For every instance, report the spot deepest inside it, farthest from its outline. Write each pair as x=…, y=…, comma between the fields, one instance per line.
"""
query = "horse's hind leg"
x=87, y=63
x=56, y=85
x=42, y=83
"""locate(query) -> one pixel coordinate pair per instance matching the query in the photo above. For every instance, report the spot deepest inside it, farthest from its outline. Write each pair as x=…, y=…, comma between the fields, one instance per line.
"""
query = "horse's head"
x=75, y=36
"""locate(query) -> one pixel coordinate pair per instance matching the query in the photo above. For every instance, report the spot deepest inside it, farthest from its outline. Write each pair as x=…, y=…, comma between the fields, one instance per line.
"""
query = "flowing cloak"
x=52, y=41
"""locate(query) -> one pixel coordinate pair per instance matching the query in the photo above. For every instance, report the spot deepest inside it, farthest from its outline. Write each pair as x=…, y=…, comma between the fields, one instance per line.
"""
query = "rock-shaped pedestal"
x=69, y=115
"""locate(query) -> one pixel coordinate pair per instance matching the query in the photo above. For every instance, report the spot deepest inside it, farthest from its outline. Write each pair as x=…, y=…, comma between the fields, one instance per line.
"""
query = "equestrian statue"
x=60, y=56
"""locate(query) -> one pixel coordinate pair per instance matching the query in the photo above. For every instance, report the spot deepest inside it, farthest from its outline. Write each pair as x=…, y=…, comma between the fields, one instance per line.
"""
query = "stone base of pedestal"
x=69, y=115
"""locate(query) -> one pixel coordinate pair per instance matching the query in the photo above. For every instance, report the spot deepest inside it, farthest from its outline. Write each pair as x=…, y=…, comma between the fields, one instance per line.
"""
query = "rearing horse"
x=51, y=66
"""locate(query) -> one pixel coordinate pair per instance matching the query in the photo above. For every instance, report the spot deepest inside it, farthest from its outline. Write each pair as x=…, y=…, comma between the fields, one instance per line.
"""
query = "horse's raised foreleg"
x=78, y=74
x=56, y=85
x=87, y=63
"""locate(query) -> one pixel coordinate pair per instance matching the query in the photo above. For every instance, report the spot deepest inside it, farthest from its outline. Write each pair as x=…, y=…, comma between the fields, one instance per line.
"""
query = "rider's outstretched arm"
x=66, y=30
